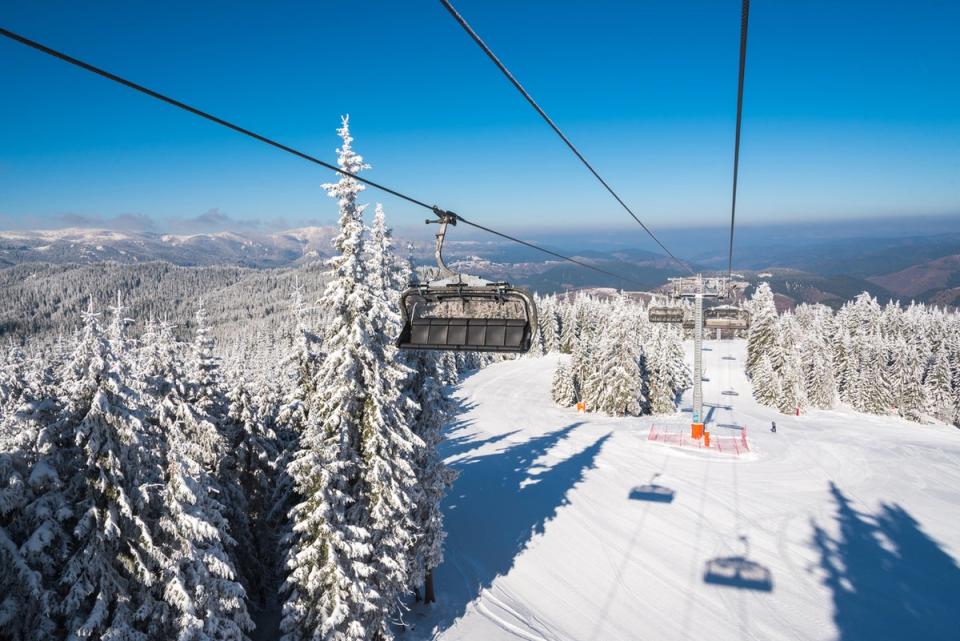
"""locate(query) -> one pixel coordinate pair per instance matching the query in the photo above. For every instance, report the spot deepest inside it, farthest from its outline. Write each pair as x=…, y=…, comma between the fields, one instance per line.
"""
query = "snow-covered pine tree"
x=792, y=388
x=34, y=513
x=876, y=393
x=662, y=391
x=618, y=380
x=255, y=453
x=349, y=560
x=549, y=324
x=431, y=409
x=564, y=390
x=910, y=395
x=199, y=581
x=205, y=421
x=766, y=383
x=109, y=578
x=819, y=384
x=762, y=338
x=568, y=327
x=939, y=385
x=680, y=374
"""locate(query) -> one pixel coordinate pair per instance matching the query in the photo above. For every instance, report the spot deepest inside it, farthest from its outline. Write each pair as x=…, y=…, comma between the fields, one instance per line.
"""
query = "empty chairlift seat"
x=665, y=314
x=726, y=317
x=494, y=317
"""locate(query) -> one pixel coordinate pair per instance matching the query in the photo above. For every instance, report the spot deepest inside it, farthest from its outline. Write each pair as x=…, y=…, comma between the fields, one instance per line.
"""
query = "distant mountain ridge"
x=85, y=246
x=921, y=268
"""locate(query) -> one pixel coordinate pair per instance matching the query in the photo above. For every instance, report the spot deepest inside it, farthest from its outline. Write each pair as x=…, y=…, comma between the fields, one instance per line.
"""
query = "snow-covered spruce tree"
x=939, y=387
x=431, y=409
x=819, y=384
x=662, y=390
x=199, y=581
x=11, y=377
x=568, y=327
x=549, y=324
x=680, y=373
x=109, y=579
x=255, y=452
x=564, y=390
x=205, y=421
x=766, y=383
x=906, y=372
x=301, y=363
x=618, y=381
x=34, y=514
x=792, y=388
x=876, y=394
x=763, y=335
x=349, y=559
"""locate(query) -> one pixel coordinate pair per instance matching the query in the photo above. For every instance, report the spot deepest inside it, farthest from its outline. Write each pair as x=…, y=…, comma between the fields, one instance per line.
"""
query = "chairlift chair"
x=665, y=314
x=726, y=317
x=459, y=312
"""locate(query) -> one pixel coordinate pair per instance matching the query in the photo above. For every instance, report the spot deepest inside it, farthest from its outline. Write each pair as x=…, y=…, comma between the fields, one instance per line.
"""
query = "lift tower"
x=697, y=288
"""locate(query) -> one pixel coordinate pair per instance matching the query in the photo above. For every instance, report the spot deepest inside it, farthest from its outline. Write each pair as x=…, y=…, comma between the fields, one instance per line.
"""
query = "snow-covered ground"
x=843, y=526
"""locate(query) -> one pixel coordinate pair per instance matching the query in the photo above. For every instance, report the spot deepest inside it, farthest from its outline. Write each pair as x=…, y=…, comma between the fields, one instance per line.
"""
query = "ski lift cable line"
x=744, y=17
x=533, y=103
x=273, y=143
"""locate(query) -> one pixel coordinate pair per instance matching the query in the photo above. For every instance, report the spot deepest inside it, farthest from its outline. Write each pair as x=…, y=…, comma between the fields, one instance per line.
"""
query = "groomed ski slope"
x=851, y=521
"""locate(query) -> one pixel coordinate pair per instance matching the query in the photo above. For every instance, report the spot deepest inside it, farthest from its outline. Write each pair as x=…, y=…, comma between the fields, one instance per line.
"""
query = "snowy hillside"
x=843, y=525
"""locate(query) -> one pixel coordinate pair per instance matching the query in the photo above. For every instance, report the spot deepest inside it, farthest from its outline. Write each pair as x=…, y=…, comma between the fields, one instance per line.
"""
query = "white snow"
x=545, y=541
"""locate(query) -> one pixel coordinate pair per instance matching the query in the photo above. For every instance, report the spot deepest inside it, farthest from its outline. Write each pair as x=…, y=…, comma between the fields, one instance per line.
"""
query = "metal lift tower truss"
x=697, y=288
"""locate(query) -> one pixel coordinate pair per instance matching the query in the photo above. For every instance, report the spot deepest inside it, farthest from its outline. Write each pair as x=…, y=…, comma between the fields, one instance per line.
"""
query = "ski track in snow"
x=545, y=544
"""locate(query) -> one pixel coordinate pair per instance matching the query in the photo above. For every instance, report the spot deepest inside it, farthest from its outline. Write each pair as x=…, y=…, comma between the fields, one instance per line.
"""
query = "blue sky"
x=852, y=110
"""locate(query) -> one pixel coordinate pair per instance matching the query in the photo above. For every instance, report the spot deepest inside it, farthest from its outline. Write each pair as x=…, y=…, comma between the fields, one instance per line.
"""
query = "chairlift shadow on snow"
x=890, y=580
x=738, y=572
x=731, y=426
x=499, y=503
x=652, y=492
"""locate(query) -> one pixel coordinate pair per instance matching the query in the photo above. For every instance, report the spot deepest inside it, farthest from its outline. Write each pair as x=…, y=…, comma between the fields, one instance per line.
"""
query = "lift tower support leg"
x=697, y=426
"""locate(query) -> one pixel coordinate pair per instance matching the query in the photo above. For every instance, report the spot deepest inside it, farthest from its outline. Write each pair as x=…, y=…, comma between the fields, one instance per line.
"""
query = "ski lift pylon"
x=459, y=312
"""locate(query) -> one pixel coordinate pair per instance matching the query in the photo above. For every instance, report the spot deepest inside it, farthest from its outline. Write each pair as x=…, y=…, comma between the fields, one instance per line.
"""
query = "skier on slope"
x=773, y=426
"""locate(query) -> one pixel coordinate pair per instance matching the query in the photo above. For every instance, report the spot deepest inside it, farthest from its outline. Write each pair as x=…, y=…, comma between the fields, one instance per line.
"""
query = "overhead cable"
x=744, y=16
x=533, y=103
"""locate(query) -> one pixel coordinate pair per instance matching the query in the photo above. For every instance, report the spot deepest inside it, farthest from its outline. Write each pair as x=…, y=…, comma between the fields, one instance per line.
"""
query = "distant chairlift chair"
x=726, y=317
x=662, y=314
x=458, y=312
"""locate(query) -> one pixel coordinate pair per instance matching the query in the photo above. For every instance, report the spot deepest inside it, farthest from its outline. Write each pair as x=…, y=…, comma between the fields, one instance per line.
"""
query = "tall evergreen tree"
x=352, y=533
x=762, y=338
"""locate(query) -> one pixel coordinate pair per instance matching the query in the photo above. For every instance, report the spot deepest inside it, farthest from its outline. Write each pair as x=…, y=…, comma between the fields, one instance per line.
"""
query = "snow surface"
x=844, y=525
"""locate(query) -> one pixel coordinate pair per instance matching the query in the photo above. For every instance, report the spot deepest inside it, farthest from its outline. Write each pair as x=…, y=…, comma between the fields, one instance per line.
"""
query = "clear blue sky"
x=852, y=109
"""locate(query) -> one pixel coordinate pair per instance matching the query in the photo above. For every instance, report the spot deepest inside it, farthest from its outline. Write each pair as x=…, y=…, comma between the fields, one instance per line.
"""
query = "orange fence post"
x=696, y=430
x=706, y=439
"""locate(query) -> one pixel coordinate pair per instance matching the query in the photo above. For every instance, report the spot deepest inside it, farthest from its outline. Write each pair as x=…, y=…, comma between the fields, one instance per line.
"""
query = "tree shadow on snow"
x=498, y=504
x=889, y=579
